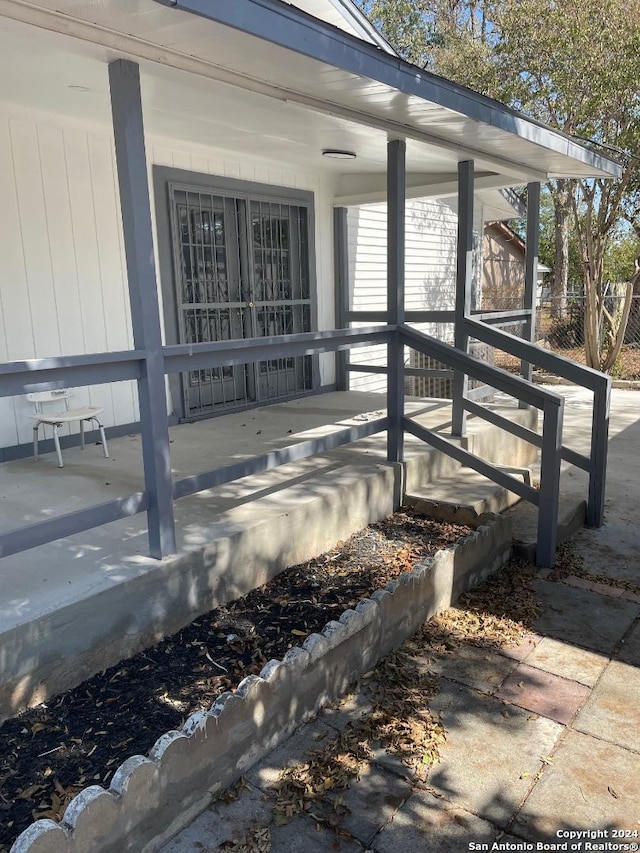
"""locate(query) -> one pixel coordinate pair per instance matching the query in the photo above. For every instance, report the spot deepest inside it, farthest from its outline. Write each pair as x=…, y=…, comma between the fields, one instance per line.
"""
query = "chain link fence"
x=560, y=321
x=560, y=328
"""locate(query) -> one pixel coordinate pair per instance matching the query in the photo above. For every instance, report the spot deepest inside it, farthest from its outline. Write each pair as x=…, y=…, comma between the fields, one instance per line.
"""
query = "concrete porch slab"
x=230, y=539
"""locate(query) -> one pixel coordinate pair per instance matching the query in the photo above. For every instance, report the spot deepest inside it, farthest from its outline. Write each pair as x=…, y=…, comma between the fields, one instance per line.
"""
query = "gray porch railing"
x=550, y=404
x=484, y=326
x=41, y=374
x=595, y=464
x=149, y=362
x=18, y=378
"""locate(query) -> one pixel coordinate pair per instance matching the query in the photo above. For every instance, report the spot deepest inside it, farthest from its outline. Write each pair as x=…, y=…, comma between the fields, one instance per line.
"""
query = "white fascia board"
x=362, y=25
x=289, y=27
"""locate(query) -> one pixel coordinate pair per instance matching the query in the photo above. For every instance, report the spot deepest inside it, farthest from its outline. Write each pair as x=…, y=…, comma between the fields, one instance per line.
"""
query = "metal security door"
x=211, y=303
x=280, y=292
x=241, y=271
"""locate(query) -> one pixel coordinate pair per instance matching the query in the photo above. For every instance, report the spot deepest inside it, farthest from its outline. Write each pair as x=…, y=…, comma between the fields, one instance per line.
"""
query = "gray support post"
x=599, y=448
x=341, y=281
x=531, y=274
x=553, y=413
x=464, y=272
x=128, y=128
x=396, y=197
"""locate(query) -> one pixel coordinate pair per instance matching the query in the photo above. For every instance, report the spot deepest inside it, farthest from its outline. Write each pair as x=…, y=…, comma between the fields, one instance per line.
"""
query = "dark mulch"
x=81, y=737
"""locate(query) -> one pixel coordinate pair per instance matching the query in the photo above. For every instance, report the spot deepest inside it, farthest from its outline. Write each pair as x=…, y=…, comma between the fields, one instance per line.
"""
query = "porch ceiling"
x=46, y=70
x=247, y=94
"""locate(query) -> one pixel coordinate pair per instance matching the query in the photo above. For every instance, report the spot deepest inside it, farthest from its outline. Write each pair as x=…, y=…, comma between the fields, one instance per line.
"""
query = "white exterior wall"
x=62, y=269
x=430, y=271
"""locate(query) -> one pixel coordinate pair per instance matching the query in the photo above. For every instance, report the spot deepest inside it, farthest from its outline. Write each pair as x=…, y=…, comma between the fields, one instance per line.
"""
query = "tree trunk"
x=592, y=322
x=620, y=327
x=562, y=212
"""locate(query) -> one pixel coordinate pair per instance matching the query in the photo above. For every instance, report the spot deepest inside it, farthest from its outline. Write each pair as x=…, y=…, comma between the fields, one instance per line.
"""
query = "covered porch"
x=278, y=91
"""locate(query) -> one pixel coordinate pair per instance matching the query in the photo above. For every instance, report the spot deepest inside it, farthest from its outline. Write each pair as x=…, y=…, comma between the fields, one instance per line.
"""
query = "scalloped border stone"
x=151, y=799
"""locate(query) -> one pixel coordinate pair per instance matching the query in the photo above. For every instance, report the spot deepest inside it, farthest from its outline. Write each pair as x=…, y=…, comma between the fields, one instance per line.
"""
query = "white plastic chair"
x=56, y=419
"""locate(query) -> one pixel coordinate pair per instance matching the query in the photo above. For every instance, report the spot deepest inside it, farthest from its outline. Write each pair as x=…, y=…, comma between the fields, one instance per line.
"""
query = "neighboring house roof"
x=507, y=235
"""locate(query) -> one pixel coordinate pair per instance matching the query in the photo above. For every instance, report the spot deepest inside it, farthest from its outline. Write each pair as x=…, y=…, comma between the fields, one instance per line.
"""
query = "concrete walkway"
x=543, y=740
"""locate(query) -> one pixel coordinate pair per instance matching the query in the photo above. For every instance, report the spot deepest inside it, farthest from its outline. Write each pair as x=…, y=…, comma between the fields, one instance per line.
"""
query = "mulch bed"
x=80, y=738
x=397, y=693
x=497, y=615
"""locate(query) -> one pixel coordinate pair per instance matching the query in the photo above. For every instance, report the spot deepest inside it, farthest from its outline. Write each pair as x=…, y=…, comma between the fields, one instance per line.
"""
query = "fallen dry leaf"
x=30, y=792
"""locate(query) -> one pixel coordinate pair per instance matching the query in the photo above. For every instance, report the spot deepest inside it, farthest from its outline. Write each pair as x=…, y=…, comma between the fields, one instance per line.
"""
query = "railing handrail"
x=96, y=368
x=180, y=357
x=482, y=370
x=29, y=365
x=465, y=457
x=496, y=317
x=533, y=354
x=552, y=406
x=586, y=377
x=22, y=377
x=357, y=315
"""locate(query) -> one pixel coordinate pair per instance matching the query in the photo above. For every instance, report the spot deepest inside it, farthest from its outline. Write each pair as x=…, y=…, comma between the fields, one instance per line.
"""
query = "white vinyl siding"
x=430, y=269
x=63, y=283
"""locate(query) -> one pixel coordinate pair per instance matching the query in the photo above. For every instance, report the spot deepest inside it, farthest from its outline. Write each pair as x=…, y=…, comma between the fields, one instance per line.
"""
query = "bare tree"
x=574, y=64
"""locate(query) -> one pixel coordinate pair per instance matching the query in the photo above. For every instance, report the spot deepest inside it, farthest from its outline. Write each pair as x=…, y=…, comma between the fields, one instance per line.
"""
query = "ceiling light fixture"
x=337, y=154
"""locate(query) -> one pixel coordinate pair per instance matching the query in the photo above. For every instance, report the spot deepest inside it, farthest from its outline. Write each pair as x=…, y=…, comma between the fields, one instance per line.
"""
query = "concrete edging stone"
x=547, y=379
x=152, y=798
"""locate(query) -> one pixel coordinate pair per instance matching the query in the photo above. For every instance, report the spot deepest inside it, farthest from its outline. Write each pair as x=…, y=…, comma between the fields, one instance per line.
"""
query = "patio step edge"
x=464, y=496
x=572, y=514
x=152, y=798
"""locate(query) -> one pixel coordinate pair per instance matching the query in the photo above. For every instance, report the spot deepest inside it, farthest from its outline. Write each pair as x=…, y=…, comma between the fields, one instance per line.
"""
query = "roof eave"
x=289, y=27
x=359, y=20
